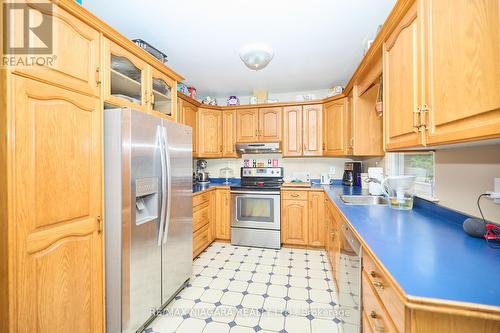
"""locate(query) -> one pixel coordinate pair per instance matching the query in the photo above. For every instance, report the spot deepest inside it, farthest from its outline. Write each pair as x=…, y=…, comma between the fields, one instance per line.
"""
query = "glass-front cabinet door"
x=125, y=77
x=162, y=93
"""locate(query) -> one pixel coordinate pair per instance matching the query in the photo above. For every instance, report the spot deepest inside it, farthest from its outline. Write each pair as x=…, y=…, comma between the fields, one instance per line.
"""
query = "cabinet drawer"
x=201, y=240
x=199, y=199
x=385, y=290
x=377, y=318
x=294, y=195
x=201, y=216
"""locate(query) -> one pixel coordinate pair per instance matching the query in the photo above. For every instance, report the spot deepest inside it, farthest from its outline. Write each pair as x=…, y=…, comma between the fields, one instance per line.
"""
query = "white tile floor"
x=240, y=289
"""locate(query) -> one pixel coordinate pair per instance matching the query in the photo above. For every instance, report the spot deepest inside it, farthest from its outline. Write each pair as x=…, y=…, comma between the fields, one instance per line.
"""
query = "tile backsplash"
x=314, y=165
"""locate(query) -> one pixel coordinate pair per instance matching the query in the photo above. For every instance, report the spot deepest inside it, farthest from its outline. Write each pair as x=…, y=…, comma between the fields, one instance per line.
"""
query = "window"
x=418, y=164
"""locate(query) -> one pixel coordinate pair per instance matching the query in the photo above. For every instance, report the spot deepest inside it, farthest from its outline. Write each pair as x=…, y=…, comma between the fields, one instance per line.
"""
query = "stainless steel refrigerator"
x=148, y=215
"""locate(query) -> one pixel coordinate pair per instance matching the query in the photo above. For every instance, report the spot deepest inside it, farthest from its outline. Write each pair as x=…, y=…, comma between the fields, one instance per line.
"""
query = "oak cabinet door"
x=229, y=133
x=316, y=228
x=292, y=131
x=223, y=212
x=210, y=133
x=187, y=116
x=294, y=224
x=402, y=84
x=312, y=126
x=247, y=125
x=270, y=124
x=76, y=53
x=57, y=208
x=462, y=76
x=335, y=128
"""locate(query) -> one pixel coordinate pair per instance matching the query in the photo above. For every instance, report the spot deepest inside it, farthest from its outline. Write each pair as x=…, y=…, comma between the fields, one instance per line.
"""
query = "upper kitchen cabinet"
x=270, y=124
x=292, y=131
x=228, y=133
x=187, y=115
x=312, y=130
x=210, y=143
x=161, y=93
x=75, y=64
x=302, y=130
x=402, y=84
x=461, y=48
x=335, y=128
x=125, y=79
x=247, y=125
x=258, y=125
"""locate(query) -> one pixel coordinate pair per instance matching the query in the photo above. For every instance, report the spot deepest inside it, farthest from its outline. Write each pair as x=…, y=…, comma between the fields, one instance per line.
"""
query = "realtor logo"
x=27, y=34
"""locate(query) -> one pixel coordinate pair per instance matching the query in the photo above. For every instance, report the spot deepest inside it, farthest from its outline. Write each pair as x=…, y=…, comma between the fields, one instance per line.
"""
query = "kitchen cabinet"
x=349, y=124
x=312, y=130
x=294, y=215
x=161, y=93
x=247, y=125
x=335, y=128
x=223, y=214
x=57, y=247
x=431, y=98
x=209, y=133
x=229, y=133
x=125, y=77
x=302, y=218
x=302, y=130
x=461, y=100
x=76, y=47
x=316, y=227
x=258, y=125
x=270, y=124
x=187, y=115
x=292, y=131
x=402, y=84
x=203, y=212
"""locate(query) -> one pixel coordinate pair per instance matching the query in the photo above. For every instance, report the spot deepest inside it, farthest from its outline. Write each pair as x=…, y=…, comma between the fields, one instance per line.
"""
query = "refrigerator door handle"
x=169, y=186
x=163, y=184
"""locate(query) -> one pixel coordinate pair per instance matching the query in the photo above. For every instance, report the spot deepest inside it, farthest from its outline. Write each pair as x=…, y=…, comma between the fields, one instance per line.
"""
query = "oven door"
x=258, y=210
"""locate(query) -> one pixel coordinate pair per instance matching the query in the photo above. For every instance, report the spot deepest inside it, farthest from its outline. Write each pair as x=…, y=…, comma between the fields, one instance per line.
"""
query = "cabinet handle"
x=294, y=195
x=373, y=274
x=256, y=132
x=152, y=98
x=416, y=119
x=378, y=284
x=99, y=224
x=98, y=76
x=373, y=314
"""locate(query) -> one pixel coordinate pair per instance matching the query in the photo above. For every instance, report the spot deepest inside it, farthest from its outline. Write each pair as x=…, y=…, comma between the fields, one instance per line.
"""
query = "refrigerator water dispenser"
x=146, y=200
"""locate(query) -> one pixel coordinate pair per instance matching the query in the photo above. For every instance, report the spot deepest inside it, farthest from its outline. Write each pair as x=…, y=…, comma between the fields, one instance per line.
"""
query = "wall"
x=461, y=175
x=281, y=97
x=315, y=165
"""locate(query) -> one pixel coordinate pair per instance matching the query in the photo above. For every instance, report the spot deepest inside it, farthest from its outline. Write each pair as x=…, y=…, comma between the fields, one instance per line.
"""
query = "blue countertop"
x=426, y=250
x=214, y=183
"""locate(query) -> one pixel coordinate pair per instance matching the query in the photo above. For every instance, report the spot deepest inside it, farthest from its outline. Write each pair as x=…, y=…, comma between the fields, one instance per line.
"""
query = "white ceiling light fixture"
x=256, y=56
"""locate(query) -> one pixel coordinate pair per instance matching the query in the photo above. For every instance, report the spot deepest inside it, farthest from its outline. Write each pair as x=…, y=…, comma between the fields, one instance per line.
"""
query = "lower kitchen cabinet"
x=203, y=213
x=222, y=225
x=302, y=218
x=316, y=227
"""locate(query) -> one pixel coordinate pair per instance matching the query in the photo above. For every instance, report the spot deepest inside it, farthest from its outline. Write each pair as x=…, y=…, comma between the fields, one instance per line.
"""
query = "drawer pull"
x=378, y=284
x=294, y=195
x=373, y=314
x=373, y=274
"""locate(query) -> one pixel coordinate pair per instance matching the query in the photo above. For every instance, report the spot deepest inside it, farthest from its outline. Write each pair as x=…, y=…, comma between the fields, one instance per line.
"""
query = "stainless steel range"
x=256, y=208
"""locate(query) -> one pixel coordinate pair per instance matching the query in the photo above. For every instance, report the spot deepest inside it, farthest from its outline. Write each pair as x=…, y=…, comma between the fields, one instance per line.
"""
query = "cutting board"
x=299, y=184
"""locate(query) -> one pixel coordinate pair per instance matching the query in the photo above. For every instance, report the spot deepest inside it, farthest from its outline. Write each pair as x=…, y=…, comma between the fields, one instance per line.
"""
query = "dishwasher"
x=349, y=279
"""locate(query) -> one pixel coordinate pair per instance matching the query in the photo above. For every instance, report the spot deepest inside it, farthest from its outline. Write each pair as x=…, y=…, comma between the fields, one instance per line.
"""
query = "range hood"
x=258, y=148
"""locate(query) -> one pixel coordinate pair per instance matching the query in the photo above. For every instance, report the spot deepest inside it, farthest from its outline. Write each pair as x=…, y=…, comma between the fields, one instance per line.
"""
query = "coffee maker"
x=352, y=173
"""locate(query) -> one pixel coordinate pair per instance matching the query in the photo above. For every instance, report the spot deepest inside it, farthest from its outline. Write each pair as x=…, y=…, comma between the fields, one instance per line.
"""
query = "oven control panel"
x=261, y=172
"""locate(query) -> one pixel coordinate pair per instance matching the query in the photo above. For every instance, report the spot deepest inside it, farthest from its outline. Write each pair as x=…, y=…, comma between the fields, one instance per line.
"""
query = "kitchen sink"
x=367, y=200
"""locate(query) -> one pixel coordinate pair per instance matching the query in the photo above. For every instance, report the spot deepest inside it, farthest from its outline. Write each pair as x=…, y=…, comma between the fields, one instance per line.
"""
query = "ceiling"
x=317, y=43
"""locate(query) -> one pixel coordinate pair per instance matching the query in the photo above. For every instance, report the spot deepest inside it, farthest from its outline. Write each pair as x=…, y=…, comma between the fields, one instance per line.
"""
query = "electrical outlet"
x=496, y=188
